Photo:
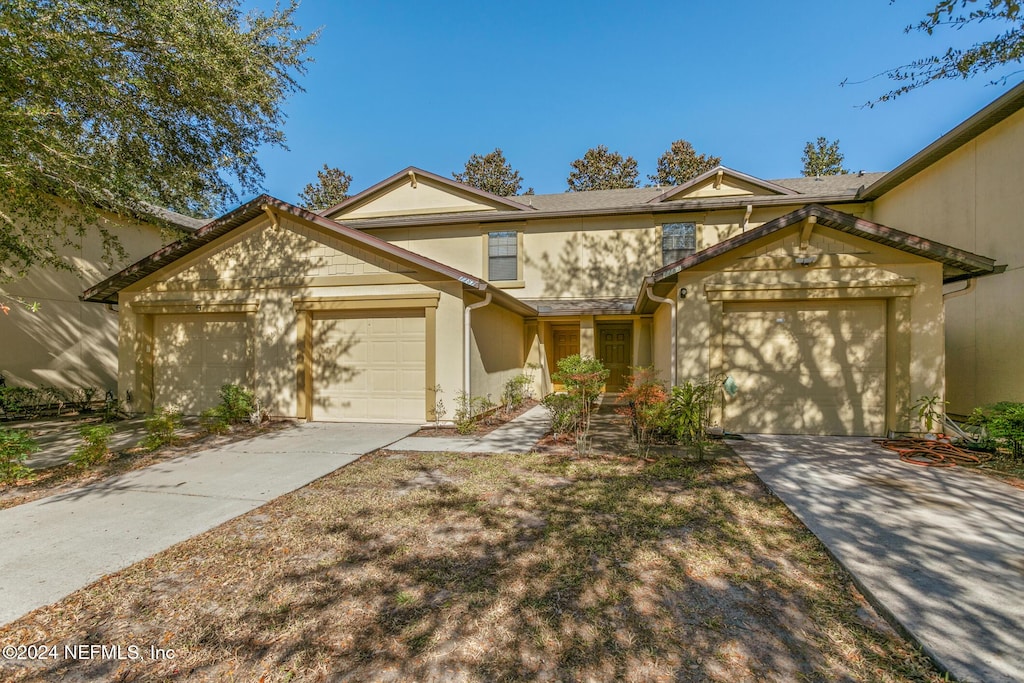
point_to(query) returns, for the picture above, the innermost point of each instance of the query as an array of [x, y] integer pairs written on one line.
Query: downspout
[[466, 340], [971, 284], [675, 333]]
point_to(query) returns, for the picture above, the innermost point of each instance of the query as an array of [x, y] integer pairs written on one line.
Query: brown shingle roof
[[957, 263], [106, 291]]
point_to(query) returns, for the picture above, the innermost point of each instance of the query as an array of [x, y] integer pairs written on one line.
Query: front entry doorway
[[615, 350], [565, 342]]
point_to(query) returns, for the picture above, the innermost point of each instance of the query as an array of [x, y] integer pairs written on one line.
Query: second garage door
[[806, 367], [370, 367]]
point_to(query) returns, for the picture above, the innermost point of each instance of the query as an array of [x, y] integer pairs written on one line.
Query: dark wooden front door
[[615, 350], [565, 342]]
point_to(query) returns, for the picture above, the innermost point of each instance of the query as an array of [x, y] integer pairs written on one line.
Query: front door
[[565, 342], [615, 350]]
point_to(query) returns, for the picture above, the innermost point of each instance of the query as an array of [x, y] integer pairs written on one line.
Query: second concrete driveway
[[56, 545], [940, 550]]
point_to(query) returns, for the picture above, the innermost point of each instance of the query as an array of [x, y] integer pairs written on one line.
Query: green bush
[[161, 427], [96, 444], [468, 410], [564, 416], [18, 401], [213, 421], [1004, 424], [583, 378], [15, 447], [236, 404], [515, 392], [689, 412]]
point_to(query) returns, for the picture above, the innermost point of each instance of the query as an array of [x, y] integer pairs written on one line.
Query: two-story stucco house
[[825, 299]]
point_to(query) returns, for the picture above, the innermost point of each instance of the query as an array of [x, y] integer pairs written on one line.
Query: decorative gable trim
[[414, 175], [720, 172], [957, 264]]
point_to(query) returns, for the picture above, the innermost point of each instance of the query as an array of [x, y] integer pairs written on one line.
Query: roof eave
[[361, 197], [675, 206], [971, 265]]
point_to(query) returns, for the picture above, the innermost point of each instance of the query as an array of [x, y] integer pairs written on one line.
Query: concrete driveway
[[940, 551], [56, 545]]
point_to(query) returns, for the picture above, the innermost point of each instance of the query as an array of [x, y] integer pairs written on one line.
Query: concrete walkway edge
[[56, 545], [939, 552]]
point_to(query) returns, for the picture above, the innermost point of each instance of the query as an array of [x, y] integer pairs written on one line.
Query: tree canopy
[[600, 169], [1006, 46], [823, 158], [330, 188], [123, 107], [491, 173], [681, 163]]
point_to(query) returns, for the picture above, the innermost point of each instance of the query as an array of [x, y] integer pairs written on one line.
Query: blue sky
[[430, 83]]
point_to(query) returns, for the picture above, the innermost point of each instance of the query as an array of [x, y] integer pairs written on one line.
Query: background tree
[[823, 158], [681, 163], [1005, 47], [491, 173], [122, 107], [600, 169], [330, 188]]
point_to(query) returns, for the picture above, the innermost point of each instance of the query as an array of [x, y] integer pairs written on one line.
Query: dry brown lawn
[[441, 567]]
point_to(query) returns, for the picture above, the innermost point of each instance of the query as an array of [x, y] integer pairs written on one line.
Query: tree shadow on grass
[[520, 568]]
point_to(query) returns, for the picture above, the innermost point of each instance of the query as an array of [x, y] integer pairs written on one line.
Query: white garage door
[[370, 368], [806, 367], [194, 355]]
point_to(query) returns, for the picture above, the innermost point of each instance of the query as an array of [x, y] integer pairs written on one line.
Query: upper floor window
[[678, 240], [503, 255]]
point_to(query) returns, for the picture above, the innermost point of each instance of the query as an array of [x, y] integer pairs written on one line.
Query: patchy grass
[[55, 480], [489, 568]]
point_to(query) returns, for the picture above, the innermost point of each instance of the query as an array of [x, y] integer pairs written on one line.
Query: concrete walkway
[[938, 551], [517, 436], [56, 545]]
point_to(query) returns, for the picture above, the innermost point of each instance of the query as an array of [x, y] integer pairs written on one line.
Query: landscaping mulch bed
[[487, 424], [56, 480], [441, 567]]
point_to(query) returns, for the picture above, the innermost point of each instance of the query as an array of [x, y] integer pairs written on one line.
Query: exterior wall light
[[805, 260]]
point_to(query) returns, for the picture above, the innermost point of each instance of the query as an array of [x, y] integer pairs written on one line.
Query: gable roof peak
[[720, 172], [413, 174]]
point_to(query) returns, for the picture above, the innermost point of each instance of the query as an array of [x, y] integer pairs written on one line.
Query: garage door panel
[[195, 355], [371, 367], [806, 367]]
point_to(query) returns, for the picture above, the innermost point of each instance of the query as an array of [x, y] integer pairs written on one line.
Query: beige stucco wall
[[267, 269], [765, 272], [406, 197], [972, 199], [497, 350], [67, 343], [583, 257]]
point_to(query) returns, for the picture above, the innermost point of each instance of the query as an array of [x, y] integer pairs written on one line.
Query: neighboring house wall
[[67, 343], [973, 199]]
